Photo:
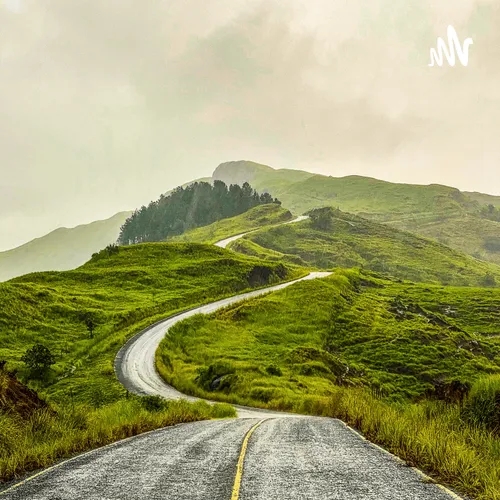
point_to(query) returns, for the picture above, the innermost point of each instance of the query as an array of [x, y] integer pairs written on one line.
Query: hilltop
[[442, 213], [62, 249]]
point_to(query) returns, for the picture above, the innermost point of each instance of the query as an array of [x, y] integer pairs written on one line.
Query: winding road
[[262, 455]]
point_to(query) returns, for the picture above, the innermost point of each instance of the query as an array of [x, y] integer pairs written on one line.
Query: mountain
[[443, 213], [61, 249]]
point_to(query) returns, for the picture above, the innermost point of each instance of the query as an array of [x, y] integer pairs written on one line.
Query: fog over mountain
[[106, 104]]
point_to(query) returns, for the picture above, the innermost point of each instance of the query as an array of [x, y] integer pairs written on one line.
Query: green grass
[[368, 350], [353, 329], [255, 218], [38, 437], [125, 290], [439, 212], [356, 242]]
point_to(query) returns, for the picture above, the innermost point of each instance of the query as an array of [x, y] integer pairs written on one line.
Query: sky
[[106, 104]]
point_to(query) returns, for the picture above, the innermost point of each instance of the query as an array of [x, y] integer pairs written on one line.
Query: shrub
[[216, 377], [482, 406], [153, 403], [38, 360], [274, 370]]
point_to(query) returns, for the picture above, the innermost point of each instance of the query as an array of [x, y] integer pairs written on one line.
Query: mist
[[106, 105]]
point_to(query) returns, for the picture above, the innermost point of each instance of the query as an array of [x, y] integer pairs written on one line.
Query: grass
[[124, 289], [125, 292], [381, 355], [38, 437], [356, 242], [354, 329], [255, 218]]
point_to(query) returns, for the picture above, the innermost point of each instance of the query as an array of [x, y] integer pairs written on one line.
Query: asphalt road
[[286, 459]]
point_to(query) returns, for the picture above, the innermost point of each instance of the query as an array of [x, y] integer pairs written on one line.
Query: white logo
[[454, 47]]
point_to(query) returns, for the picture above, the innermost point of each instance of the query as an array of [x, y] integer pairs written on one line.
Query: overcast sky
[[105, 104]]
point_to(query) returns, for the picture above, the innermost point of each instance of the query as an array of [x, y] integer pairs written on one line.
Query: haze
[[107, 104]]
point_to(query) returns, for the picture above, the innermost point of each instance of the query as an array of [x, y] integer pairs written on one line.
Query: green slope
[[435, 211], [255, 218], [61, 249], [354, 329], [351, 241], [124, 289]]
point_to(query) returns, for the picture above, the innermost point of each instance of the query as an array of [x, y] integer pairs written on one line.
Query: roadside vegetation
[[34, 434], [414, 367], [332, 238], [60, 332]]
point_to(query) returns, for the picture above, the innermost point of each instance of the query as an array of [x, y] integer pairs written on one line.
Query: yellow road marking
[[239, 467]]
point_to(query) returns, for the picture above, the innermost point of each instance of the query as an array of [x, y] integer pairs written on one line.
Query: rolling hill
[[61, 249], [346, 240], [442, 213]]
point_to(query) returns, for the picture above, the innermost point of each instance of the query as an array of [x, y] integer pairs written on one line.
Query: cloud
[[107, 104]]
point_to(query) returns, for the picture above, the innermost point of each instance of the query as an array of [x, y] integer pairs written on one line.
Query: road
[[286, 459], [135, 362], [225, 242], [260, 456]]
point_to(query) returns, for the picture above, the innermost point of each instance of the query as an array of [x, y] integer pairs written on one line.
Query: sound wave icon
[[454, 48]]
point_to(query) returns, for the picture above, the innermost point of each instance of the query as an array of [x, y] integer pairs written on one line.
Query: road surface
[[284, 459], [225, 242]]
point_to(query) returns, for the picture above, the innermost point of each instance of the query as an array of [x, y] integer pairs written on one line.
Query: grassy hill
[[351, 241], [390, 359], [61, 249], [354, 329], [258, 217], [435, 211], [123, 289]]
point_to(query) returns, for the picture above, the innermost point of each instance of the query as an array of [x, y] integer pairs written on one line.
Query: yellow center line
[[239, 467]]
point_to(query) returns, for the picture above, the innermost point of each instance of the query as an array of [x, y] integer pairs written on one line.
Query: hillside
[[439, 212], [255, 218], [121, 289], [332, 238], [61, 249], [354, 329]]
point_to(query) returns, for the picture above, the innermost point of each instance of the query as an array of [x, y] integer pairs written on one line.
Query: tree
[[38, 359], [322, 218], [198, 204], [489, 280], [90, 322]]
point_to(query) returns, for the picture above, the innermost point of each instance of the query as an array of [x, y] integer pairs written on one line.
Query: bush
[[274, 370], [482, 406], [217, 377], [38, 360], [153, 403]]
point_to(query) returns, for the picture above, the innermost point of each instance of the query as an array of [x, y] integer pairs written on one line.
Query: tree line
[[198, 204]]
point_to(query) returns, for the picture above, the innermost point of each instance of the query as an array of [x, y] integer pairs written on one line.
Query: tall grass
[[47, 436], [482, 407], [431, 436]]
